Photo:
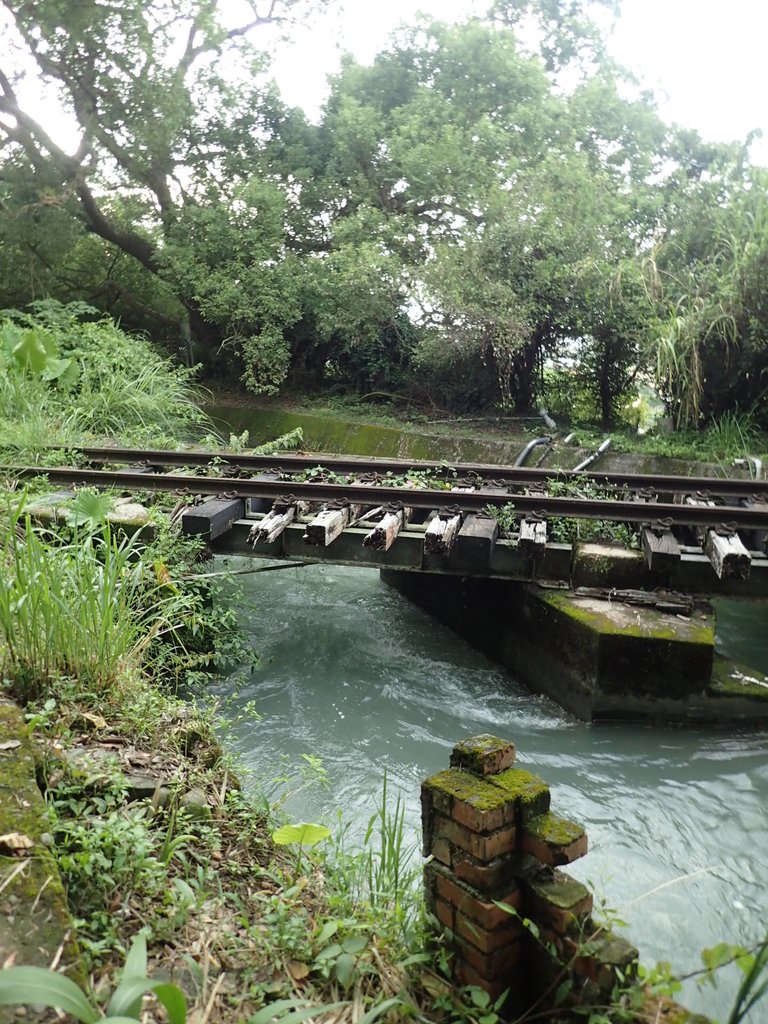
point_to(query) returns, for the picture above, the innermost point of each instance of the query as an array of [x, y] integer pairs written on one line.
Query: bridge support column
[[597, 658]]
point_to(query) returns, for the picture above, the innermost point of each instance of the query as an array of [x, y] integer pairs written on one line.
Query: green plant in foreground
[[36, 986], [302, 835], [86, 609]]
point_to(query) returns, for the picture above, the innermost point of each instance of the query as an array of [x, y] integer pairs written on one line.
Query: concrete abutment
[[597, 657]]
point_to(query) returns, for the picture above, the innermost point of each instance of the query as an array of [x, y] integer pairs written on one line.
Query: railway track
[[517, 480], [708, 508]]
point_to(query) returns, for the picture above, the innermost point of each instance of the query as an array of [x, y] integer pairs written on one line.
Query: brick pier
[[516, 923]]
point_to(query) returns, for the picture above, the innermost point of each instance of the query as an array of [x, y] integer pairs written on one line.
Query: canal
[[352, 673]]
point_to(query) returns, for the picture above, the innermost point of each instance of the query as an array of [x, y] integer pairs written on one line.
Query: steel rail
[[474, 501], [519, 476]]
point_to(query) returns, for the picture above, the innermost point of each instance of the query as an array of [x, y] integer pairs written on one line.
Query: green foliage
[[565, 530], [36, 986], [301, 835], [87, 608], [87, 379], [505, 516]]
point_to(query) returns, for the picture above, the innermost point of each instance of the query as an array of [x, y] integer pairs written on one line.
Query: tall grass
[[382, 877], [89, 380], [87, 609]]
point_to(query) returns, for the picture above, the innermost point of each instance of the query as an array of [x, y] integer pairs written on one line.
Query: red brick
[[484, 819], [435, 799], [553, 854], [441, 851], [483, 755], [602, 965], [467, 975], [485, 877], [483, 847], [562, 919], [445, 914], [485, 940], [484, 912], [557, 900], [489, 965]]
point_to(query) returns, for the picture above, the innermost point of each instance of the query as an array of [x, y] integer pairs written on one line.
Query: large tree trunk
[[605, 384]]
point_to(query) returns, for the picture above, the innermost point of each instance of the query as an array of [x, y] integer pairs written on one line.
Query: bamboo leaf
[[36, 986]]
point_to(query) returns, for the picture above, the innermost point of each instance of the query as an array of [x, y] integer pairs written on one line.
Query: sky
[[704, 59]]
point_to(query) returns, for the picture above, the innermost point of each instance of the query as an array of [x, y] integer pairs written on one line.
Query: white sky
[[705, 59]]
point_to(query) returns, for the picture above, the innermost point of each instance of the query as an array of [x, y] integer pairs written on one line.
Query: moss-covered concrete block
[[732, 679], [634, 650], [35, 926], [607, 565]]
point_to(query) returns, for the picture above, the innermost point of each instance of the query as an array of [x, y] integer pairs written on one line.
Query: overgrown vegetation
[[66, 375], [154, 836], [459, 228]]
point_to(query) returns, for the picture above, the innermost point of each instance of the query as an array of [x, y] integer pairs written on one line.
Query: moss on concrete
[[732, 679], [647, 625], [34, 918]]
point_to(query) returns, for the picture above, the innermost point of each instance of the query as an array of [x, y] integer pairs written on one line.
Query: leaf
[[56, 368], [297, 970], [126, 999], [344, 969], [480, 998], [184, 889], [173, 1000], [328, 930], [290, 1011], [90, 509], [31, 351], [16, 844], [376, 1011], [96, 720], [36, 986], [303, 834], [136, 960], [10, 745], [330, 952], [355, 944], [562, 991]]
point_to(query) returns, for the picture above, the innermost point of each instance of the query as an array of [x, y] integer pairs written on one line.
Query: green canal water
[[352, 673]]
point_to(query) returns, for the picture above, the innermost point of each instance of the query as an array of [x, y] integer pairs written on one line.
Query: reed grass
[[87, 609]]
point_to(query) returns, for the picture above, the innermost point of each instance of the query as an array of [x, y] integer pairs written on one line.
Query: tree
[[711, 342], [166, 165], [502, 207]]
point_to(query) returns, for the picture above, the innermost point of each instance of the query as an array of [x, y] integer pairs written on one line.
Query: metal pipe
[[593, 457], [754, 464], [523, 456], [550, 423]]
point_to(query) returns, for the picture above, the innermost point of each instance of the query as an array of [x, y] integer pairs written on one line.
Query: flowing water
[[354, 674]]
